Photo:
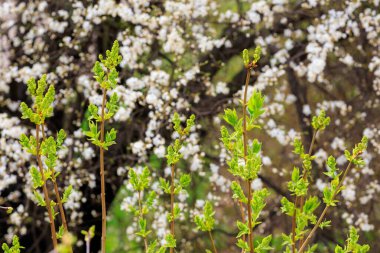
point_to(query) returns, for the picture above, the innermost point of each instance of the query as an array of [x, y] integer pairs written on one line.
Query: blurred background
[[185, 56]]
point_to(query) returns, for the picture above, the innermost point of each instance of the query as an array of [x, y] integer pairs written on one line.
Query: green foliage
[[264, 245], [40, 200], [60, 232], [303, 212], [67, 193], [352, 244], [298, 185], [248, 63], [42, 107], [88, 235], [14, 248], [321, 121], [255, 105], [140, 182], [238, 192], [29, 144], [354, 156], [206, 221], [106, 75], [234, 141], [36, 177], [257, 204]]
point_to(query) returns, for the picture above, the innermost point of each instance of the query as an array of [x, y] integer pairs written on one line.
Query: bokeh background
[[184, 56]]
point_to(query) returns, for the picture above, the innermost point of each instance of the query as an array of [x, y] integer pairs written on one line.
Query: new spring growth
[[41, 109], [173, 156], [234, 141], [106, 75], [206, 221], [88, 235], [352, 245], [14, 248], [245, 162], [248, 63], [140, 183]]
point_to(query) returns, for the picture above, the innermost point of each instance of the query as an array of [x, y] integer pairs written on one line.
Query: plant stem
[[102, 180], [88, 245], [325, 210], [242, 214], [60, 205], [172, 202], [245, 137], [141, 215], [302, 200], [44, 187], [212, 241], [251, 246], [294, 225]]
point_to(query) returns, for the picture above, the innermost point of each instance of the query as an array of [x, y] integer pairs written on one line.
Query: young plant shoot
[[41, 109], [106, 75], [245, 158]]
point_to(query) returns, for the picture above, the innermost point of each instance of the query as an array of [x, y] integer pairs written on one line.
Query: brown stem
[[245, 138], [212, 242], [44, 187], [172, 203], [251, 246], [302, 200], [102, 180], [141, 215], [60, 205], [294, 225], [302, 248], [242, 215]]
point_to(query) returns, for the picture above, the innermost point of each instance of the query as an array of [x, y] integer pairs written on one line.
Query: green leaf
[[255, 105], [165, 185], [320, 122], [32, 86], [67, 193], [170, 241], [264, 244], [243, 229], [60, 232], [238, 192], [110, 138], [256, 54], [246, 57], [36, 177], [243, 245], [39, 198], [185, 180], [230, 116]]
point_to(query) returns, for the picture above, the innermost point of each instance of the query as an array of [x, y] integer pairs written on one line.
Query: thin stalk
[[251, 246], [242, 214], [212, 242], [302, 200], [44, 187], [245, 137], [102, 180], [58, 196], [88, 245], [302, 248], [172, 202], [294, 225], [141, 215]]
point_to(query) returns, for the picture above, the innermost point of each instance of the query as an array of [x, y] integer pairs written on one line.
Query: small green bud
[[246, 58]]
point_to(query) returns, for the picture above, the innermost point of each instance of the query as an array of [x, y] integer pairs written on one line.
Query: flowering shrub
[[183, 56], [245, 162]]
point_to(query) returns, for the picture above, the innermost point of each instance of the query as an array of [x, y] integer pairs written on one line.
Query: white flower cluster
[[178, 56]]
